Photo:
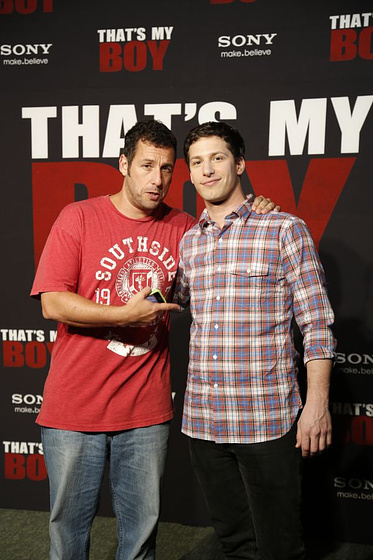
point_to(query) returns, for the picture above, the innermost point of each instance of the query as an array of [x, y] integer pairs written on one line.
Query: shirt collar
[[243, 212]]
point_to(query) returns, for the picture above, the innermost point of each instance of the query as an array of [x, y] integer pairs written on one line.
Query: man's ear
[[123, 165], [240, 166]]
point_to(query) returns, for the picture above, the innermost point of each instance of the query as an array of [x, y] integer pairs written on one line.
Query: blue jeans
[[76, 462], [254, 495]]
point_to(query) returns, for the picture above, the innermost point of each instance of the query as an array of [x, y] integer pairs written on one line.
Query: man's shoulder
[[279, 227], [84, 206], [276, 219]]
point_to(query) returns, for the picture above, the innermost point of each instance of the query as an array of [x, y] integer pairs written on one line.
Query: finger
[[143, 293], [322, 443], [314, 444], [168, 307], [257, 201], [277, 209], [306, 442], [298, 437], [328, 438], [263, 202], [265, 208], [325, 440]]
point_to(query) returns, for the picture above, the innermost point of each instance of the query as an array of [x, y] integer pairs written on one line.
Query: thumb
[[299, 436], [142, 294]]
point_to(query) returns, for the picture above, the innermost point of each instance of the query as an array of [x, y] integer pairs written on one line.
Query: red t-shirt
[[109, 379]]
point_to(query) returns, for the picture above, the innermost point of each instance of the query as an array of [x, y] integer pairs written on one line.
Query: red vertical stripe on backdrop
[[323, 184]]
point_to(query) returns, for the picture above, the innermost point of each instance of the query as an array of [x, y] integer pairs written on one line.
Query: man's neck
[[127, 209], [218, 212]]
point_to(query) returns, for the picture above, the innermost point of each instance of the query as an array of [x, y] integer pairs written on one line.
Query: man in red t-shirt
[[107, 396]]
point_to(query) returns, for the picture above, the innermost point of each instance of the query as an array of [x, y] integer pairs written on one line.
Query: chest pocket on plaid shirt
[[256, 280]]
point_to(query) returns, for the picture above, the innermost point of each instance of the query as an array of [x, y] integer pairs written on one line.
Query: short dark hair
[[232, 137], [152, 131]]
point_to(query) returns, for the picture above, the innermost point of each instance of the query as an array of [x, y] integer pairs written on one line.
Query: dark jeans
[[254, 495]]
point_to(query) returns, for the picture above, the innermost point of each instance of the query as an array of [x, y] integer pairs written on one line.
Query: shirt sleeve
[[306, 277], [58, 269]]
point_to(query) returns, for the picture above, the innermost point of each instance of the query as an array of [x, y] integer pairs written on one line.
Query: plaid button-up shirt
[[246, 283]]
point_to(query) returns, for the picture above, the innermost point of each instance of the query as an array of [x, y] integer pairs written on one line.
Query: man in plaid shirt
[[247, 276]]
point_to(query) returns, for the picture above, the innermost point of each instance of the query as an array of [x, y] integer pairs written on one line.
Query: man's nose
[[157, 177], [207, 168]]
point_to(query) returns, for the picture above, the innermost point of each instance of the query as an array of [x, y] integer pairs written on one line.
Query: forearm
[[318, 382], [314, 432], [77, 311]]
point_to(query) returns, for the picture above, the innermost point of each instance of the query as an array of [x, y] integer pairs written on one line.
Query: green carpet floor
[[24, 536]]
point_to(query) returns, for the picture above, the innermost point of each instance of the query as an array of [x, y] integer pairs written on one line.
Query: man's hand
[[263, 205], [314, 433], [140, 311]]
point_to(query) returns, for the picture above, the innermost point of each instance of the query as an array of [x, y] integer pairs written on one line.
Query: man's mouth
[[210, 182], [153, 195]]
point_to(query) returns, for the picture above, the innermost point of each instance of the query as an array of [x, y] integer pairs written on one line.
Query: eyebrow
[[219, 152], [149, 160]]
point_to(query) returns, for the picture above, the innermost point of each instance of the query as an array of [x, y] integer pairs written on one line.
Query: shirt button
[[215, 357], [219, 268], [220, 240], [216, 385], [216, 327], [218, 298]]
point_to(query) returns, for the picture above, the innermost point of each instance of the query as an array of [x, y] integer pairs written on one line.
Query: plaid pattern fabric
[[246, 283]]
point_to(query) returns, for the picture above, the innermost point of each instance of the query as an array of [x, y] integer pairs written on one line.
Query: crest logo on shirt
[[137, 274], [140, 279]]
